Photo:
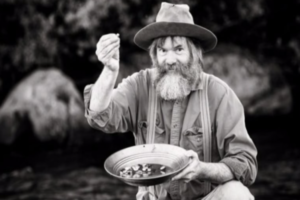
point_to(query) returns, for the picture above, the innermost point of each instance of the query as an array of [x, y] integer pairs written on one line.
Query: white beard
[[173, 86]]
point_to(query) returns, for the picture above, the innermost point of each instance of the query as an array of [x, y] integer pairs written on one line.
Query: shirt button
[[142, 124], [175, 125]]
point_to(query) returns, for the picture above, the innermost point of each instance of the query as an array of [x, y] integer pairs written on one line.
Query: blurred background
[[47, 57]]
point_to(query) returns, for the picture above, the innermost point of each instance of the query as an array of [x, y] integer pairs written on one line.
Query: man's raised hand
[[108, 51]]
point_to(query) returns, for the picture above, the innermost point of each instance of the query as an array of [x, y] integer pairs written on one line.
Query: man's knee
[[233, 190]]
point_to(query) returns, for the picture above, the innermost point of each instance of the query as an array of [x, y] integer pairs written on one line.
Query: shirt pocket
[[193, 140], [160, 134]]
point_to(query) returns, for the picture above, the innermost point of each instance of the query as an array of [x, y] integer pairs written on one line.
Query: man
[[175, 45]]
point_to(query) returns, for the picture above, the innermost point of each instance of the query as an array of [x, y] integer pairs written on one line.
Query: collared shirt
[[179, 123]]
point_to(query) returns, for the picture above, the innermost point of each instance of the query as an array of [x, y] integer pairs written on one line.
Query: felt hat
[[175, 20]]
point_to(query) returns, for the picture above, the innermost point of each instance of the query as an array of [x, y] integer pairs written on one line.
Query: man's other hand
[[108, 51], [193, 170]]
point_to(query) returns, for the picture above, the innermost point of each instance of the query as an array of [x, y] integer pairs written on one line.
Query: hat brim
[[146, 35]]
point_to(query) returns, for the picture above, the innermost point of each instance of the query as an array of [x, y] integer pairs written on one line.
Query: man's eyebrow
[[178, 46]]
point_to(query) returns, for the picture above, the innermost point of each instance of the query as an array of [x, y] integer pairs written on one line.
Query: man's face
[[176, 73], [173, 52]]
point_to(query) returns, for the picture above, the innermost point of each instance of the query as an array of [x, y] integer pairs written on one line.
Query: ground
[[79, 174]]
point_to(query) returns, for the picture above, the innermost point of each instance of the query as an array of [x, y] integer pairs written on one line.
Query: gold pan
[[171, 156]]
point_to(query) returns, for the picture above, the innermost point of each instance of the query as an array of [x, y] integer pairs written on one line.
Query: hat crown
[[174, 13], [175, 20]]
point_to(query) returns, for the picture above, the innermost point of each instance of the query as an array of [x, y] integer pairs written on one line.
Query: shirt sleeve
[[236, 148], [119, 116]]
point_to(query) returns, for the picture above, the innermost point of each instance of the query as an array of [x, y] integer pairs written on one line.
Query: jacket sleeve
[[235, 146], [119, 116]]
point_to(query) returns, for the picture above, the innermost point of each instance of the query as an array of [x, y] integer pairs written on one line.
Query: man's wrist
[[203, 170], [102, 90], [215, 172], [110, 72], [112, 69]]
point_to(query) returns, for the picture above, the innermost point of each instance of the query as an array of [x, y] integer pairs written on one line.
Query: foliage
[[42, 33]]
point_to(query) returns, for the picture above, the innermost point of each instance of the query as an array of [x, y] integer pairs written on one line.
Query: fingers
[[105, 46], [102, 45], [104, 55], [191, 154], [108, 36], [183, 175], [108, 47], [188, 173], [106, 60], [108, 39]]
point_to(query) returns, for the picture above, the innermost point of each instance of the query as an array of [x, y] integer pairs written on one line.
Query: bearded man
[[222, 153]]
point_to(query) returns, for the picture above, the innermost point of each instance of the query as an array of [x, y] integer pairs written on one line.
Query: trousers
[[231, 190]]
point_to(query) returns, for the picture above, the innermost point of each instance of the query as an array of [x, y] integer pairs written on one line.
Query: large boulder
[[257, 81], [47, 104]]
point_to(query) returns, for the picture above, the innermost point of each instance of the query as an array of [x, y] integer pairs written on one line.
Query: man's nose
[[170, 59]]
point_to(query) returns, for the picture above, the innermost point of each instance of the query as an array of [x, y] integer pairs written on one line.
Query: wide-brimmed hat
[[175, 20]]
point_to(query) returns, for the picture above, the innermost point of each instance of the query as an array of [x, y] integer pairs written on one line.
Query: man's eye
[[179, 49], [161, 50]]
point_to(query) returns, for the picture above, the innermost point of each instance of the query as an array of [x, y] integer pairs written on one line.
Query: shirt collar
[[198, 83]]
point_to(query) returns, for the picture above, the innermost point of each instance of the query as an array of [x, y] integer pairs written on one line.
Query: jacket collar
[[198, 84]]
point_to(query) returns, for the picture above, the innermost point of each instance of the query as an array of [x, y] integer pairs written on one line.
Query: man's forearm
[[215, 172], [102, 90]]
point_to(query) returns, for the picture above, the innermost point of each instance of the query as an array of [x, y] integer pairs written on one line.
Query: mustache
[[177, 67], [185, 70]]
